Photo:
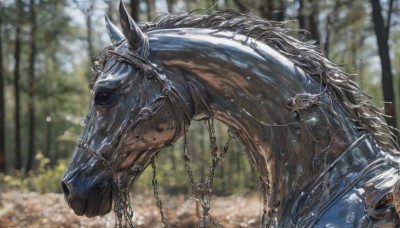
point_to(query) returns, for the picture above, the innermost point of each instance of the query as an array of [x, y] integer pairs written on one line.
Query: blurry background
[[46, 51]]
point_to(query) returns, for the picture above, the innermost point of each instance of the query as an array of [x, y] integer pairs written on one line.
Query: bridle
[[149, 70]]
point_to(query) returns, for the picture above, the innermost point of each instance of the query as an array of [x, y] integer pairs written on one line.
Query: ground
[[30, 209]]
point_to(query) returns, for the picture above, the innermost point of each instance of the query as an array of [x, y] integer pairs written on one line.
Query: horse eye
[[103, 96]]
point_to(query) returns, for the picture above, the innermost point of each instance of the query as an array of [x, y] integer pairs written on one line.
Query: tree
[[87, 11], [2, 102], [270, 11], [17, 57], [242, 7], [151, 9], [170, 5], [135, 10], [31, 89], [308, 18], [382, 35]]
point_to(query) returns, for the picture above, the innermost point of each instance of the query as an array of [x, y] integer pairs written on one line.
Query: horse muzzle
[[88, 196]]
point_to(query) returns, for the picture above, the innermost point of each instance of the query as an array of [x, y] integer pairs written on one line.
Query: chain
[[186, 156], [122, 208], [216, 157], [158, 200], [203, 190]]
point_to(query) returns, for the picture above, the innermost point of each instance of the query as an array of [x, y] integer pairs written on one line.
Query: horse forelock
[[355, 103]]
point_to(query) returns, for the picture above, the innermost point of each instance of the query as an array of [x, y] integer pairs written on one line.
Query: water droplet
[[248, 78]]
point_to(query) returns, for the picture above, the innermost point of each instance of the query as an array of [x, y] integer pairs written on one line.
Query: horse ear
[[130, 29], [113, 31]]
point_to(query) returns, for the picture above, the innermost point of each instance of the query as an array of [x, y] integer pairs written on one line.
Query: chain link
[[122, 208], [203, 190], [155, 188]]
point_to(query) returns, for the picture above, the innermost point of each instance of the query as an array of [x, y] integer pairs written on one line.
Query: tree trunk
[[135, 10], [48, 139], [242, 7], [313, 21], [382, 35], [328, 27], [17, 56], [267, 10], [151, 9], [300, 15], [280, 13], [2, 110], [31, 89], [270, 11], [89, 37], [88, 12], [170, 5], [308, 18]]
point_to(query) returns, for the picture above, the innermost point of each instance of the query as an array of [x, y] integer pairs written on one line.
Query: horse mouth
[[98, 202]]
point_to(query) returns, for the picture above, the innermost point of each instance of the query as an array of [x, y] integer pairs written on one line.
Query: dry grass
[[21, 209]]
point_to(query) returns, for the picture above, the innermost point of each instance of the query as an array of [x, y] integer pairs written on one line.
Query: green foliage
[[43, 179]]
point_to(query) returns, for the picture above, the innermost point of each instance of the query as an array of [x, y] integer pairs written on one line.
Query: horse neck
[[246, 85]]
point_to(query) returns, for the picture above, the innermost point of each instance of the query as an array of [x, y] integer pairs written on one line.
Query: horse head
[[130, 119]]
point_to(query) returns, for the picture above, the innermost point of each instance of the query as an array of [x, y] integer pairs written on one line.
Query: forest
[[47, 48]]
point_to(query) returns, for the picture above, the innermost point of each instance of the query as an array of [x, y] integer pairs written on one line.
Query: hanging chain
[[205, 199], [124, 211], [203, 190], [122, 208], [186, 156], [155, 188]]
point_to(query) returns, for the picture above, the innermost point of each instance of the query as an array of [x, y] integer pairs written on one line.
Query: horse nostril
[[65, 188]]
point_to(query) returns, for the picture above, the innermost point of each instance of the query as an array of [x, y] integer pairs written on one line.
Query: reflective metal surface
[[317, 167]]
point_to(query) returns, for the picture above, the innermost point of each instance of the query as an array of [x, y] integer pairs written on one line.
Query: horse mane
[[356, 104]]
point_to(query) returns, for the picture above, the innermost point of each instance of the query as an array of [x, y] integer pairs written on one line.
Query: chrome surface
[[318, 168]]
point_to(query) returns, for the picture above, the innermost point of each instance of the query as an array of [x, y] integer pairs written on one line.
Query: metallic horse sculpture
[[323, 151]]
